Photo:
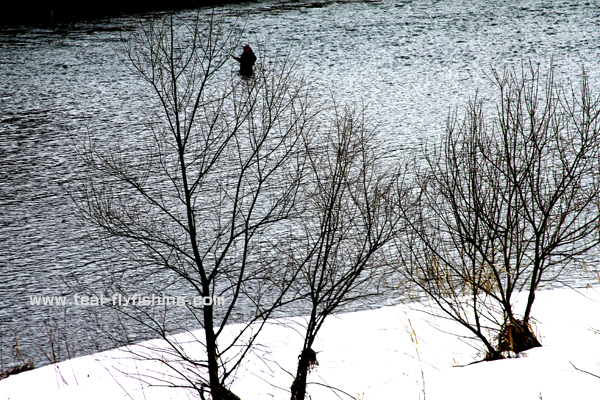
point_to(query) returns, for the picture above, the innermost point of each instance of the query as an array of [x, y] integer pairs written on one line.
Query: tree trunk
[[307, 361]]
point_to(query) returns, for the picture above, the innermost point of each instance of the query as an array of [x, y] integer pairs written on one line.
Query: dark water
[[409, 61]]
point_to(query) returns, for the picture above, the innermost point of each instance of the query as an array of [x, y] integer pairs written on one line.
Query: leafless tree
[[197, 202], [348, 208], [506, 203]]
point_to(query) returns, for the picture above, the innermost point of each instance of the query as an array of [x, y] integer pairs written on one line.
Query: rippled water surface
[[409, 61]]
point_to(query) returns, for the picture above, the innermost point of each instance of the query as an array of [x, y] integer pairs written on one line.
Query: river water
[[410, 62]]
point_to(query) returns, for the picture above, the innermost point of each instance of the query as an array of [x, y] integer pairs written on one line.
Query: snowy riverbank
[[394, 352]]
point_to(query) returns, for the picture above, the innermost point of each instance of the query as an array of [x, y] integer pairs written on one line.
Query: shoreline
[[392, 352], [35, 12]]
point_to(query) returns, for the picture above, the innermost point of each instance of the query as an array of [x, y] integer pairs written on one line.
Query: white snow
[[395, 352]]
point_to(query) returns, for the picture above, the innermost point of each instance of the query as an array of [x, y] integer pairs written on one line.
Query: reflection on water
[[411, 62]]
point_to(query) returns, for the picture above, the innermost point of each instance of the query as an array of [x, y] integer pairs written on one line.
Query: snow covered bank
[[395, 352]]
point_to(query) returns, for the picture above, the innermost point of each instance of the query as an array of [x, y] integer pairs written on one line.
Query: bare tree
[[506, 204], [198, 202], [348, 208]]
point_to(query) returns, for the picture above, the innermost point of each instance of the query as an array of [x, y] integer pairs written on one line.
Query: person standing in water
[[246, 60]]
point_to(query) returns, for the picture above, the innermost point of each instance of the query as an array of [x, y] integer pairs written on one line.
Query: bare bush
[[348, 208], [505, 204]]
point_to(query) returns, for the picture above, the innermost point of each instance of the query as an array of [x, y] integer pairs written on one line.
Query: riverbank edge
[[41, 12], [398, 351]]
